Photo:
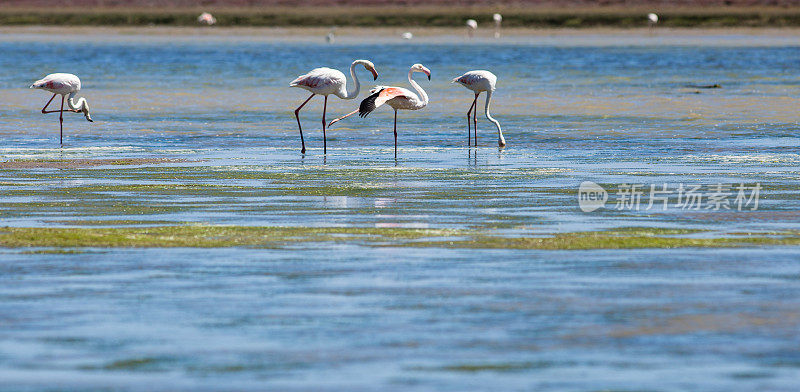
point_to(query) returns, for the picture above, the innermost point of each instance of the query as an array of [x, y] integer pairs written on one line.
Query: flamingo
[[652, 19], [498, 19], [63, 84], [472, 25], [480, 81], [397, 97], [206, 19], [331, 36], [326, 81]]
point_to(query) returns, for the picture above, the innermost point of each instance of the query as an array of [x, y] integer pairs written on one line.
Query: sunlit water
[[353, 317]]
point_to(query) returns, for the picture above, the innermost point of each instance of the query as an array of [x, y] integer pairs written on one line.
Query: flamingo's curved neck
[[75, 105], [357, 85], [81, 105], [500, 139], [419, 89]]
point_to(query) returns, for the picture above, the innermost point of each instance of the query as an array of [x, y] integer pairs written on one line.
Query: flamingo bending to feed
[[63, 84], [480, 81], [326, 81], [397, 97]]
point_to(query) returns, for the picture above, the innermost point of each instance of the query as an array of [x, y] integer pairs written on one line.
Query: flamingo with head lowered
[[63, 84], [326, 81], [478, 82], [397, 97]]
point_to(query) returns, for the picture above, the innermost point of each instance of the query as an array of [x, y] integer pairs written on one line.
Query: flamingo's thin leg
[[61, 120], [48, 104], [56, 111], [297, 116], [469, 130], [324, 136], [334, 121], [395, 134], [475, 120]]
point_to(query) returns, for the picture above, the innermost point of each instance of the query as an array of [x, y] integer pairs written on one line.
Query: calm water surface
[[354, 317]]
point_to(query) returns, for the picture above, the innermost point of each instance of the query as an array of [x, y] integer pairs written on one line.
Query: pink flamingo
[[326, 81], [63, 83], [397, 97], [480, 81], [206, 19]]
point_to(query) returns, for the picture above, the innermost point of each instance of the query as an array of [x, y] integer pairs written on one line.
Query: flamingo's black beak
[[429, 76], [374, 73]]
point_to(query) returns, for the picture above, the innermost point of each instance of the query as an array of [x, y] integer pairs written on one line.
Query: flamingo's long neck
[[76, 105], [500, 139], [422, 94], [357, 85], [81, 105]]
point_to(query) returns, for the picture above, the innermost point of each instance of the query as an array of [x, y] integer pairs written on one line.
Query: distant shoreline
[[605, 36], [417, 16]]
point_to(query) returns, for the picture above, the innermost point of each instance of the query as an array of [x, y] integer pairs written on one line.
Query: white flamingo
[[472, 25], [480, 81], [206, 19], [652, 20], [498, 19], [326, 81], [397, 97], [63, 84]]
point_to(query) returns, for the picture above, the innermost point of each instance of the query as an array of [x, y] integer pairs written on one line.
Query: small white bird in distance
[[498, 19], [206, 19], [407, 36], [472, 25]]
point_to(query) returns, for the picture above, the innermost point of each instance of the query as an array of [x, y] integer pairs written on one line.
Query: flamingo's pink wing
[[53, 84], [57, 84], [469, 78], [314, 79], [379, 98], [389, 93]]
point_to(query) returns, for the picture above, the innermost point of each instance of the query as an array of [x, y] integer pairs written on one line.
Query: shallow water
[[606, 109]]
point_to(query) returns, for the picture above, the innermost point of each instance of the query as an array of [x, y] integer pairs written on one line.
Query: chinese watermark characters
[[691, 197]]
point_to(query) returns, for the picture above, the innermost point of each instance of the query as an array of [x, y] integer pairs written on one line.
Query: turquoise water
[[207, 123]]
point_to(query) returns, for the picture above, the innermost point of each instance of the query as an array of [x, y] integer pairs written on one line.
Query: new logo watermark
[[644, 197], [591, 196]]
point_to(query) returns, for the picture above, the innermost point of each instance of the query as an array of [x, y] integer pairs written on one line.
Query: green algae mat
[[199, 236]]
